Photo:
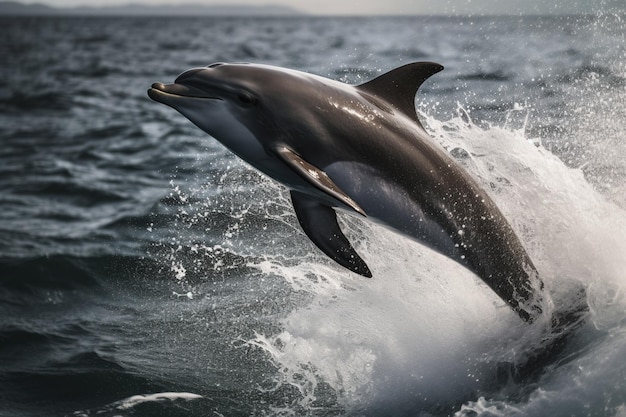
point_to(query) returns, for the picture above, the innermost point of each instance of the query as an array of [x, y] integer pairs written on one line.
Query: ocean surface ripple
[[145, 271]]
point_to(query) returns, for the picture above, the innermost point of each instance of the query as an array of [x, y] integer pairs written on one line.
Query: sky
[[397, 7]]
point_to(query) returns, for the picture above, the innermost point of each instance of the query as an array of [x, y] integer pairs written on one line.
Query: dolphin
[[362, 149]]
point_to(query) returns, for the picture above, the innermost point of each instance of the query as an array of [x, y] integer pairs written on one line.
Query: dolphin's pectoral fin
[[317, 178], [398, 86], [319, 222]]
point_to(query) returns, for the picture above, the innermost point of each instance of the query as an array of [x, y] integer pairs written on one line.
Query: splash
[[425, 333]]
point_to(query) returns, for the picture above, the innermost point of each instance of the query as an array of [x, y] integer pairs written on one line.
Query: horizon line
[[34, 9]]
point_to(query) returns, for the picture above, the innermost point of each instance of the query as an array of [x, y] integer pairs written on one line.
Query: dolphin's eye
[[246, 99]]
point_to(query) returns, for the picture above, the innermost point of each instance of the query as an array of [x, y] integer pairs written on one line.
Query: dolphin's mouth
[[162, 92]]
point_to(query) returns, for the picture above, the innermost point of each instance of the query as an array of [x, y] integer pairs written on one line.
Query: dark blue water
[[145, 271]]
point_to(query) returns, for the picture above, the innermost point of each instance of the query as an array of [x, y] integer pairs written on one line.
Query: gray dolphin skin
[[360, 149]]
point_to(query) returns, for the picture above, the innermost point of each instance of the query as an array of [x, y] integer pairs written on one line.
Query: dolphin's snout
[[165, 93], [161, 92], [155, 93]]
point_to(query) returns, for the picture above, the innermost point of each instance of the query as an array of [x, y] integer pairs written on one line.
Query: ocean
[[146, 271]]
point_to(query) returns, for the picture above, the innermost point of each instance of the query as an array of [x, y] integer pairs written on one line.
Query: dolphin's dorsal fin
[[399, 86], [317, 177], [319, 222]]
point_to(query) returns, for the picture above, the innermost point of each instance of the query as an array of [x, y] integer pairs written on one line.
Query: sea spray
[[424, 333]]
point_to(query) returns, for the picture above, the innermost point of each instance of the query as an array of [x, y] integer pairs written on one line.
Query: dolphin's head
[[235, 103], [222, 103]]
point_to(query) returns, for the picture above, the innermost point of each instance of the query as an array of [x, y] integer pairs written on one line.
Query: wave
[[48, 273], [29, 280], [81, 195], [167, 403], [64, 388], [43, 101]]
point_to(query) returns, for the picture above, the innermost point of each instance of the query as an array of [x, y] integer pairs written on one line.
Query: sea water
[[147, 271]]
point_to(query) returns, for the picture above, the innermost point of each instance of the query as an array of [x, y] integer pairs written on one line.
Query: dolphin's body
[[362, 149]]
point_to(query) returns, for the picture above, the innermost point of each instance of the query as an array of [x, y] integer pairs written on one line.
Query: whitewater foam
[[425, 333]]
